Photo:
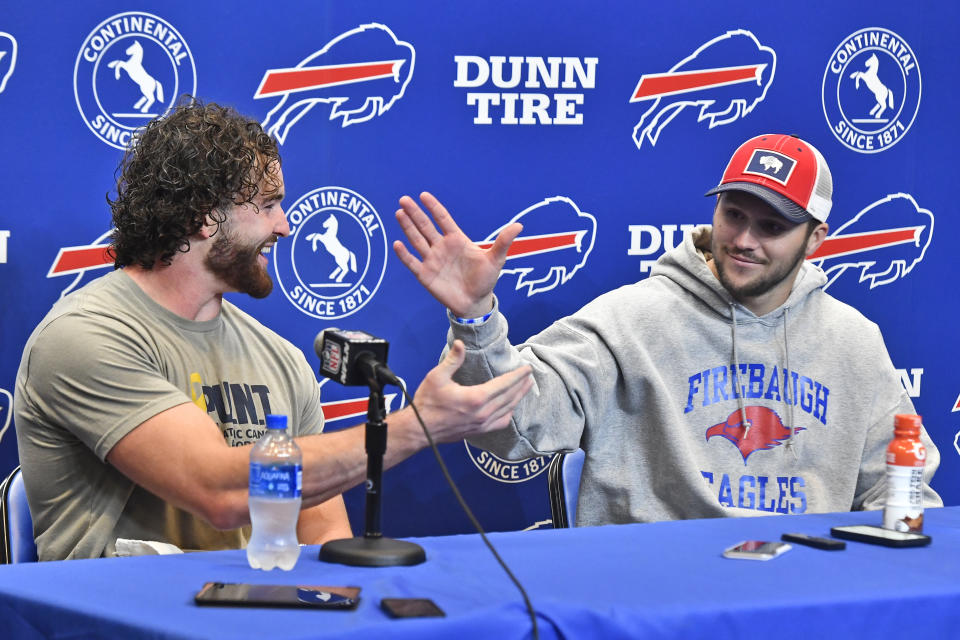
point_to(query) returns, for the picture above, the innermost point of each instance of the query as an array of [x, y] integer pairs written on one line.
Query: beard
[[764, 283], [238, 265]]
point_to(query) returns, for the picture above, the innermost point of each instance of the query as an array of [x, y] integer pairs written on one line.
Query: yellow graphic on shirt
[[196, 391]]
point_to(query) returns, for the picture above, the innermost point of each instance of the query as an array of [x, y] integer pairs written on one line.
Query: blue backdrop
[[599, 125]]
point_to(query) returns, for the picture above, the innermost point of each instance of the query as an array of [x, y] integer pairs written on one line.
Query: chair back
[[563, 480], [16, 522]]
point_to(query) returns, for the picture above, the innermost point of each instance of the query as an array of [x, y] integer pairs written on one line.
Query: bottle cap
[[907, 420], [276, 421]]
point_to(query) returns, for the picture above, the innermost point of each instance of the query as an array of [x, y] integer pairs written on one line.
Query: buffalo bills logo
[[360, 73], [726, 78], [342, 408], [8, 58], [764, 430], [956, 441], [885, 241], [6, 411], [956, 438], [557, 239], [78, 260]]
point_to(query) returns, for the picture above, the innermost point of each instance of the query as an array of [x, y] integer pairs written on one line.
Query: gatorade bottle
[[906, 457], [275, 482]]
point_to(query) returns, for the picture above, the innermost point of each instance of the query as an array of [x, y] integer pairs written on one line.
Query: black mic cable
[[473, 518], [357, 358]]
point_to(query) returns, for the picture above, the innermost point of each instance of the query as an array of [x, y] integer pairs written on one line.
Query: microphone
[[354, 358]]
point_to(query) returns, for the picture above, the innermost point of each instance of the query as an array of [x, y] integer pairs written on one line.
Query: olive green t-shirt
[[105, 359]]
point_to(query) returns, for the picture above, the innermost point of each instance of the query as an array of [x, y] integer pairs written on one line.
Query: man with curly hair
[[138, 396]]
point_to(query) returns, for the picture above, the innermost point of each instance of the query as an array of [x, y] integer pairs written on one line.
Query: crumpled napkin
[[127, 548]]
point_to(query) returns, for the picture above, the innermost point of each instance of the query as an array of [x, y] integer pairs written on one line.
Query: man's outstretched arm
[[181, 456]]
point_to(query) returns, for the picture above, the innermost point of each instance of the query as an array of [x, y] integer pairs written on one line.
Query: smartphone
[[878, 535], [827, 544], [756, 550], [411, 608], [277, 595]]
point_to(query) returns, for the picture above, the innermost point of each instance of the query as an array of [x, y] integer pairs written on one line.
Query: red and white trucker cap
[[785, 172]]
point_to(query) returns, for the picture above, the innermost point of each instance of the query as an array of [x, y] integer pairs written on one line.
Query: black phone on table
[[277, 595], [827, 544], [878, 535], [411, 608]]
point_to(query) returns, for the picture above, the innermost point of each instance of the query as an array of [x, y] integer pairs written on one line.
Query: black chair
[[16, 522], [563, 480]]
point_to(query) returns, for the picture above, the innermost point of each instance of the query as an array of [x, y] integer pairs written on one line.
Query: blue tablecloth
[[662, 580]]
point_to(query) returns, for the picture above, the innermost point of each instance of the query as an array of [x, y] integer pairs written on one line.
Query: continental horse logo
[[130, 69], [345, 259], [150, 87], [881, 92], [335, 258], [871, 90]]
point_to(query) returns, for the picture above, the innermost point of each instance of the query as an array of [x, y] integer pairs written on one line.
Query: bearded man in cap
[[728, 383]]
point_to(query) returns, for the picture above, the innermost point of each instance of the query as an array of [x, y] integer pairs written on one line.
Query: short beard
[[238, 266], [762, 285]]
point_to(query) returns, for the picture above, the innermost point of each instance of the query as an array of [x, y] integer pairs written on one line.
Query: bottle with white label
[[906, 457], [275, 481]]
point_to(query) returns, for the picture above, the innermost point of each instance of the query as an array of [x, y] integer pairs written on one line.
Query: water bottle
[[906, 457], [275, 481]]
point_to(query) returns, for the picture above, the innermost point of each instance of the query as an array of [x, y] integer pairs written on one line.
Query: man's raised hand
[[451, 267]]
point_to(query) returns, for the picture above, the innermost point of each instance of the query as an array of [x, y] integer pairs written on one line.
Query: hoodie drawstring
[[792, 401], [736, 374], [736, 379]]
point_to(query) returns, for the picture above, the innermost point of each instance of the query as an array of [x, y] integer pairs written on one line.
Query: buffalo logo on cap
[[771, 164]]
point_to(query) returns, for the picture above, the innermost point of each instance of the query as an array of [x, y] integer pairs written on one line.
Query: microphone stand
[[373, 550]]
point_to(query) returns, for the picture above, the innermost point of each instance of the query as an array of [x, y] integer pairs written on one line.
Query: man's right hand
[[453, 269], [454, 412]]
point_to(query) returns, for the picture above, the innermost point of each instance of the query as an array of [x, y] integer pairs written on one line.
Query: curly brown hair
[[182, 171]]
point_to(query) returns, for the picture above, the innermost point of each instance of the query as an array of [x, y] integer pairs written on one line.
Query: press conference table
[[661, 580]]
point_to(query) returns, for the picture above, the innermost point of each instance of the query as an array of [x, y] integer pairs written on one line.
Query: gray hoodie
[[655, 381]]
